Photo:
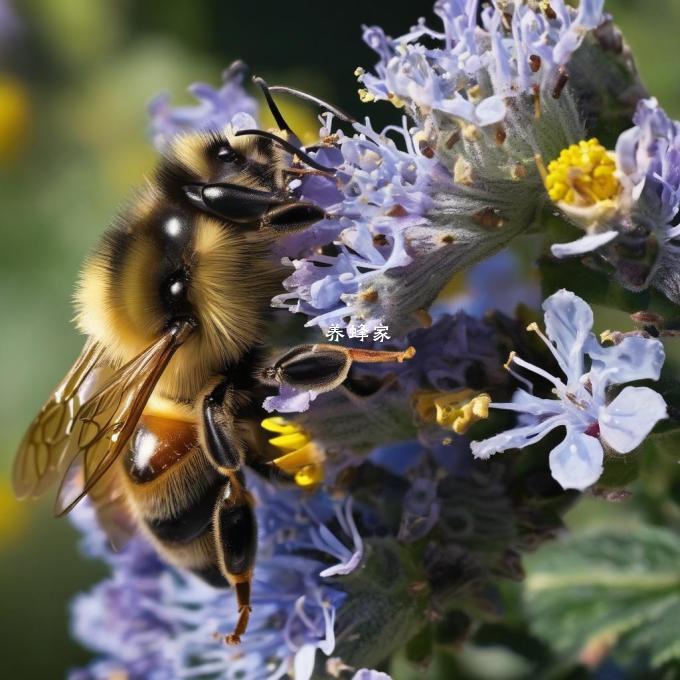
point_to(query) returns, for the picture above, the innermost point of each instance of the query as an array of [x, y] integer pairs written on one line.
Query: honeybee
[[160, 412]]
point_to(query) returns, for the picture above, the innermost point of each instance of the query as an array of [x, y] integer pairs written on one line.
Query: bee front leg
[[323, 367], [235, 531], [292, 216], [232, 202]]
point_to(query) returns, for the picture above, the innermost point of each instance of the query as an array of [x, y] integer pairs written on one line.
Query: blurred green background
[[75, 78]]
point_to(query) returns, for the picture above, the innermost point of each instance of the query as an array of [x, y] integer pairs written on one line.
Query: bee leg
[[232, 202], [293, 216], [235, 530], [270, 471], [323, 367], [244, 609], [218, 437]]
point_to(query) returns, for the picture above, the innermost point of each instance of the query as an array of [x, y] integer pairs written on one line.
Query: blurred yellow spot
[[14, 117], [457, 410], [12, 514], [301, 456], [582, 175], [456, 286]]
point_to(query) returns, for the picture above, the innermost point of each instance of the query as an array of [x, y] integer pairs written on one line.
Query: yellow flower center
[[582, 175], [300, 455]]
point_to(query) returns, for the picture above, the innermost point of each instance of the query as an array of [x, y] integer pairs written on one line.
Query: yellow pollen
[[300, 457], [457, 410], [365, 96], [582, 175], [608, 336]]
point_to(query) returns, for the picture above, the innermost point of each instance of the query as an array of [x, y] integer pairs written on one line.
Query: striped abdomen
[[174, 491]]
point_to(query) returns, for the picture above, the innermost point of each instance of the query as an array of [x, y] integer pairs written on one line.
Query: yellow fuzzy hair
[[232, 281]]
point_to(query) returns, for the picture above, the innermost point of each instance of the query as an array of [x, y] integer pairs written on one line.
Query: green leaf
[[620, 470], [610, 592]]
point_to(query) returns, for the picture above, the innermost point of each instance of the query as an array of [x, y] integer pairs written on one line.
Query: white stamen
[[539, 371], [536, 329]]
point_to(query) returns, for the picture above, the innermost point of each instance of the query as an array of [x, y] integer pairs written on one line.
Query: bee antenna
[[237, 69], [336, 111], [291, 148], [278, 117]]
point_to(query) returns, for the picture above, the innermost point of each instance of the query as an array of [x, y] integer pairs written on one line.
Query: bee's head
[[196, 160]]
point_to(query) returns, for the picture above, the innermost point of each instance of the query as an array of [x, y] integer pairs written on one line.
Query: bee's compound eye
[[174, 294], [226, 154], [176, 285]]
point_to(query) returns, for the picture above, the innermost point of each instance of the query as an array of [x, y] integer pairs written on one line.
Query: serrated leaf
[[611, 592]]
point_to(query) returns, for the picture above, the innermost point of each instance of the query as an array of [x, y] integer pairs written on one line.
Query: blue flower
[[473, 70], [593, 423], [153, 621], [228, 105], [10, 24], [325, 541], [382, 192], [463, 181], [649, 155]]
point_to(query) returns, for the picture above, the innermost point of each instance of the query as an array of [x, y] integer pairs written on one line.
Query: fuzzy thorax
[[230, 282]]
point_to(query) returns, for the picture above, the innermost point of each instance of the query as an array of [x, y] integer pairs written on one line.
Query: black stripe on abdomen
[[212, 575], [193, 521]]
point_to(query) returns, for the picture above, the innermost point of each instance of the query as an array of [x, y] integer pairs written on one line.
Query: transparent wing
[[104, 423], [111, 508], [41, 458]]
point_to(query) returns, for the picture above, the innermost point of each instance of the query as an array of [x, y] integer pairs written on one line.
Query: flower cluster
[[398, 518], [487, 98], [633, 226], [475, 69], [320, 574], [149, 620], [228, 105]]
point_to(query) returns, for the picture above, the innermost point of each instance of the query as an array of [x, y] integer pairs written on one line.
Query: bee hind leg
[[235, 533], [244, 608]]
